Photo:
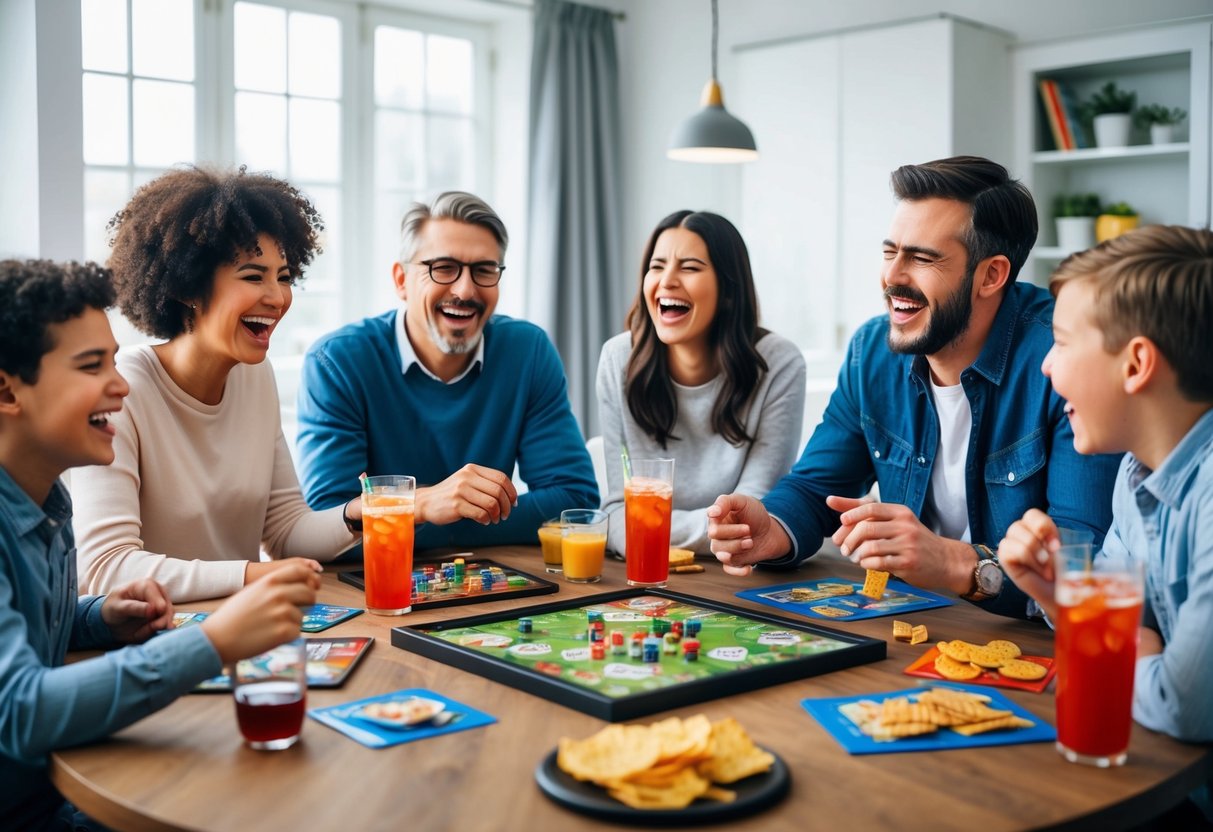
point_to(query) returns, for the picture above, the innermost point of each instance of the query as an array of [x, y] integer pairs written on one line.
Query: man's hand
[[1026, 555], [259, 569], [742, 533], [473, 492], [264, 614], [889, 537], [136, 611]]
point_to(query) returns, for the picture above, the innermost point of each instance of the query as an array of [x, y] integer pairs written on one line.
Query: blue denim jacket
[[881, 426]]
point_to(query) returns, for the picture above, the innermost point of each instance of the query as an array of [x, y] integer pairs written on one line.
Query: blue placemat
[[348, 720], [826, 711], [899, 597]]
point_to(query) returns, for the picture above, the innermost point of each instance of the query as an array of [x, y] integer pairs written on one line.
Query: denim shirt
[[45, 705], [1165, 518], [881, 426]]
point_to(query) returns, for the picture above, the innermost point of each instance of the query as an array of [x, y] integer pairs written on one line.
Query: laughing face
[[249, 298], [680, 289], [927, 285], [1085, 374], [67, 409], [445, 321]]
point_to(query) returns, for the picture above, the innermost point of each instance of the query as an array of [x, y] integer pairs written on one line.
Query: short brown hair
[[1156, 281]]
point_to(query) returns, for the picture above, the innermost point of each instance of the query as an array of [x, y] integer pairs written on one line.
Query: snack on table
[[666, 765], [824, 590], [1023, 670], [874, 582], [919, 634], [949, 668], [681, 557], [925, 712], [902, 630], [962, 661]]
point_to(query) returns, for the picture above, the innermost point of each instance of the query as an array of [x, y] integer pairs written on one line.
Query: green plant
[[1108, 99], [1119, 209], [1158, 114], [1076, 205]]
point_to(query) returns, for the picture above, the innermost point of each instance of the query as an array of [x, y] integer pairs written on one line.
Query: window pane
[[315, 55], [315, 140], [449, 74], [260, 48], [103, 35], [261, 132], [163, 38], [105, 192], [399, 68], [105, 112], [322, 274], [311, 315], [164, 123], [399, 144], [389, 210], [449, 161]]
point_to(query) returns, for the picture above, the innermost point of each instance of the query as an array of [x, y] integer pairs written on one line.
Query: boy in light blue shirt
[[1133, 357], [58, 385]]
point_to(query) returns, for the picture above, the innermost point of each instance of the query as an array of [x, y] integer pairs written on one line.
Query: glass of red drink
[[648, 497], [271, 695], [1099, 604], [387, 543]]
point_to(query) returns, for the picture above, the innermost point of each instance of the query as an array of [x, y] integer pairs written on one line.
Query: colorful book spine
[[1070, 106], [1059, 125]]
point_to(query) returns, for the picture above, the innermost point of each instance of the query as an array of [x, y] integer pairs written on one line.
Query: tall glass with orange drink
[[1098, 614], [387, 544], [648, 497]]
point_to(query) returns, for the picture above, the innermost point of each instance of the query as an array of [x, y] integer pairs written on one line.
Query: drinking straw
[[366, 483], [627, 462]]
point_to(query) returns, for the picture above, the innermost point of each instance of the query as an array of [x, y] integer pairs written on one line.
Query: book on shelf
[[1055, 114], [1069, 104]]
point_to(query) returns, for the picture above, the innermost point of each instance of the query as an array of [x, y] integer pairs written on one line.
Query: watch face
[[990, 577]]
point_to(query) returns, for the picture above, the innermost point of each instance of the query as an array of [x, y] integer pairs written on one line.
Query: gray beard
[[460, 347]]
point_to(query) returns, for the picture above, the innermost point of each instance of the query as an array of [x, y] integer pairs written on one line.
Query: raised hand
[[1026, 555], [742, 533]]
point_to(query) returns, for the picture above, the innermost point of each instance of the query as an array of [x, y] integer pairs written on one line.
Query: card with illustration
[[924, 666], [320, 617], [400, 717], [329, 663], [837, 599], [958, 716], [187, 619]]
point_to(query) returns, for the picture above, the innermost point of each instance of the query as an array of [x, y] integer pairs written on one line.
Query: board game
[[838, 599], [440, 585], [634, 652]]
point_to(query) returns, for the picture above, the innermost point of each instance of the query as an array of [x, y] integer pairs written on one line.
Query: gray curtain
[[573, 287]]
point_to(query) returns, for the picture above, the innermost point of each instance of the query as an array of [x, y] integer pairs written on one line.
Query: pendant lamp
[[712, 135]]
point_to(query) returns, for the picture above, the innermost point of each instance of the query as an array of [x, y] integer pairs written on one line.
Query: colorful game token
[[598, 651], [525, 625], [693, 626], [636, 646], [618, 648], [690, 650], [652, 649], [660, 626], [669, 644]]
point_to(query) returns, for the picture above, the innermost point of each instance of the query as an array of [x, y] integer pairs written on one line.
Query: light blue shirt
[[1165, 517], [45, 705], [408, 356]]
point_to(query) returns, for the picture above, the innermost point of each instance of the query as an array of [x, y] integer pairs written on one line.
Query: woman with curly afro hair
[[203, 486]]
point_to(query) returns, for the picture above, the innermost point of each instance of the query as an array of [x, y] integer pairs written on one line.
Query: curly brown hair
[[178, 229]]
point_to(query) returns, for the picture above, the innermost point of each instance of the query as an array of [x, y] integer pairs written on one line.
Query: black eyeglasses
[[446, 270]]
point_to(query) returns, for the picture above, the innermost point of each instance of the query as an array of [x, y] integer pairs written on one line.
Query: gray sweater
[[706, 465]]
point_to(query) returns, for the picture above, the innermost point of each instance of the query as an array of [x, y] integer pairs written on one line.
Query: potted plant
[[1109, 109], [1161, 121], [1075, 216], [1115, 220]]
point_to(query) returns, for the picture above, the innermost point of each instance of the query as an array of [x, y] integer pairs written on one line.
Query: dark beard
[[948, 322]]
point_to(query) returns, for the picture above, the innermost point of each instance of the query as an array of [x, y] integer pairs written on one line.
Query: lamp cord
[[714, 27]]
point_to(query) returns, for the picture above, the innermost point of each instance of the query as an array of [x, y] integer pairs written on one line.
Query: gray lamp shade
[[712, 135]]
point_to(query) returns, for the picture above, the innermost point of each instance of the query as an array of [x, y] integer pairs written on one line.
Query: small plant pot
[[1075, 233], [1108, 226], [1162, 133], [1112, 130]]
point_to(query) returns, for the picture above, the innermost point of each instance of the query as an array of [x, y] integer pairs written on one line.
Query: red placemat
[[924, 666]]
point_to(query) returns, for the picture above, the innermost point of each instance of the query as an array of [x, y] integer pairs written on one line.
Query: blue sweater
[[358, 413]]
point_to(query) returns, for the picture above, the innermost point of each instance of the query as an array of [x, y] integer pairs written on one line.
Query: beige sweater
[[195, 491]]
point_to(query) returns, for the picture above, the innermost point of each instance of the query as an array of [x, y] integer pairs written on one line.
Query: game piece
[[598, 651], [651, 649], [618, 648], [874, 583], [660, 626], [693, 626], [676, 627], [636, 647], [669, 644], [525, 625], [690, 650]]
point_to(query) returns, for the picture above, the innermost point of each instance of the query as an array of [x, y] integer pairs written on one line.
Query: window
[[364, 110]]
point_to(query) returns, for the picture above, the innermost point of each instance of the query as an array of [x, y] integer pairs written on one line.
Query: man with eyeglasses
[[444, 391]]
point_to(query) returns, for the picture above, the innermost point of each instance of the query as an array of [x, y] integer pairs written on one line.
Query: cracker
[[902, 630], [874, 583], [919, 634], [901, 730], [997, 724], [1008, 648], [1023, 670], [949, 668], [956, 650], [681, 557], [986, 658], [831, 612]]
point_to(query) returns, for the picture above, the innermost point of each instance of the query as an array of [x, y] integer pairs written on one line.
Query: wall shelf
[[1110, 154]]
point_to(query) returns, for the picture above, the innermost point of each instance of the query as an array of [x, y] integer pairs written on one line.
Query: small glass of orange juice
[[583, 544], [550, 534]]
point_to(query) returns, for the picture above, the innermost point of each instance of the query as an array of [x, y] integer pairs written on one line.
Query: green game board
[[739, 650]]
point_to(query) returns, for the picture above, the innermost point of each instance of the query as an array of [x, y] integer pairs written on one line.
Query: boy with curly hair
[[1132, 357], [58, 389]]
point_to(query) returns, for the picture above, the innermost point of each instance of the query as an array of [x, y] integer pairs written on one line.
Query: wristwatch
[[987, 575]]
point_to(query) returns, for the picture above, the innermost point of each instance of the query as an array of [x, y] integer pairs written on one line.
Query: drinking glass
[[550, 537], [583, 545], [648, 497], [387, 544], [270, 691]]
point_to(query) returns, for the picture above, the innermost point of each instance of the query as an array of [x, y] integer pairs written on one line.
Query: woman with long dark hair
[[695, 378]]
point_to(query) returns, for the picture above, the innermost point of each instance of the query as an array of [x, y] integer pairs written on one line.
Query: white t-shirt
[[949, 508]]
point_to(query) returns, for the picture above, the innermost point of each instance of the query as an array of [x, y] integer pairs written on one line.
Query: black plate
[[754, 794]]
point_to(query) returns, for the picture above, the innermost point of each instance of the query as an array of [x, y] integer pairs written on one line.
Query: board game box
[[626, 654], [434, 584]]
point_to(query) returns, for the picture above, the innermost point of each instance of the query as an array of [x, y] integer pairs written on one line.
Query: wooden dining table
[[186, 767]]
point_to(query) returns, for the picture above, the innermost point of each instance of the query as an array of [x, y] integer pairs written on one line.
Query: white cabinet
[[834, 115], [1170, 183]]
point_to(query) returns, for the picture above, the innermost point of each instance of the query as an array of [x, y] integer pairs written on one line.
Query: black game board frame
[[545, 587], [418, 639]]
